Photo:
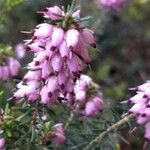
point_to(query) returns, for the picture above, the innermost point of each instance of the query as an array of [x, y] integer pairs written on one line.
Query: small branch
[[71, 117], [114, 127], [69, 120]]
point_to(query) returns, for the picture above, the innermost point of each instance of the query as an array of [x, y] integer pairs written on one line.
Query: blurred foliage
[[7, 5], [122, 60]]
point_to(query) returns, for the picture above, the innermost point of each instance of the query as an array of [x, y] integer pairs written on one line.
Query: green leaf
[[72, 6], [7, 5], [23, 115], [33, 134], [8, 132]]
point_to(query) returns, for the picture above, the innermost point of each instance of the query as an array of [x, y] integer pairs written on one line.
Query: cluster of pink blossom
[[2, 143], [9, 67], [141, 106], [60, 53], [88, 96], [112, 4], [89, 100]]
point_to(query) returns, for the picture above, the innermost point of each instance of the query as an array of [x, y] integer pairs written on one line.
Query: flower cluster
[[141, 106], [112, 4], [88, 97], [9, 67], [60, 53]]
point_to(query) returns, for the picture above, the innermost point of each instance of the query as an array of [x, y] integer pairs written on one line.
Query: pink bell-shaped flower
[[57, 36], [53, 13], [72, 37], [43, 30]]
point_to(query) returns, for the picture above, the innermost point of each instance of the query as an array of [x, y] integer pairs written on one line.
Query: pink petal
[[64, 50], [57, 36], [56, 62], [72, 37]]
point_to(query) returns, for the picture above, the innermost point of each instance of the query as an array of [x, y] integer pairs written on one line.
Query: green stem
[[32, 134], [114, 127], [71, 117]]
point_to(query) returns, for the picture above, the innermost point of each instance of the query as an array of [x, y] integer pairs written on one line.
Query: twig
[[71, 116], [114, 127]]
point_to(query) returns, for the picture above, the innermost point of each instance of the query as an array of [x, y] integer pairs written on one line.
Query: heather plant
[[50, 95]]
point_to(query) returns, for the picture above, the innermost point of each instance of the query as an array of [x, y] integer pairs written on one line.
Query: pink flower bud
[[35, 47], [76, 14], [142, 120], [144, 86], [94, 106], [79, 87], [20, 93], [98, 102], [86, 79], [87, 36], [80, 95], [46, 70], [52, 84], [33, 65], [137, 108], [147, 92], [82, 84], [56, 62], [90, 108], [69, 86], [33, 97], [32, 86], [64, 50], [53, 13], [81, 51], [44, 95], [40, 57], [72, 37], [138, 98], [43, 30], [33, 75], [147, 112], [57, 36], [85, 55], [73, 64], [62, 77]]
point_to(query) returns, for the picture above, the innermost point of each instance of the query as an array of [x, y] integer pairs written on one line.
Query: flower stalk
[[71, 117], [114, 127]]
